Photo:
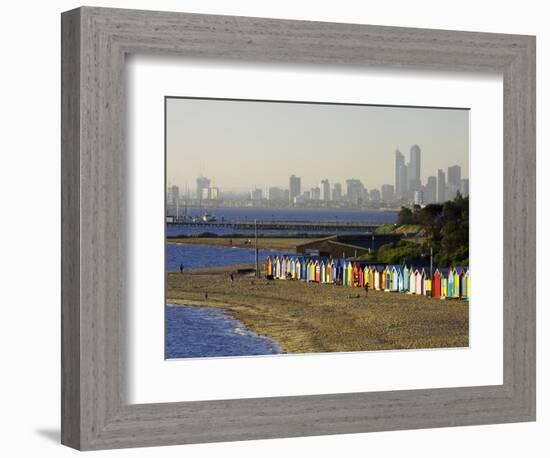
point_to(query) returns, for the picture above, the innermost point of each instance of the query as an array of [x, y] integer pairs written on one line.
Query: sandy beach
[[311, 317]]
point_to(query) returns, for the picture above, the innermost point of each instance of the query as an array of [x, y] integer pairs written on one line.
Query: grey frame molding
[[95, 413]]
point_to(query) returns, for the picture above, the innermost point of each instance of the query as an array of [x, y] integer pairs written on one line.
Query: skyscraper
[[294, 187], [441, 186], [465, 187], [210, 193], [214, 193], [316, 193], [413, 170], [419, 197], [256, 194], [355, 190], [173, 195], [453, 181], [403, 182], [325, 190], [202, 183], [430, 190], [399, 183], [337, 192], [453, 175], [375, 195], [387, 192], [274, 193]]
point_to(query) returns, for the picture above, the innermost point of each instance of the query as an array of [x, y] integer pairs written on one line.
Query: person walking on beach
[[205, 296], [181, 268], [366, 288], [231, 277]]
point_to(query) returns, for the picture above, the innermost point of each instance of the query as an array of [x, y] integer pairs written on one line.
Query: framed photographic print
[[280, 228], [280, 204]]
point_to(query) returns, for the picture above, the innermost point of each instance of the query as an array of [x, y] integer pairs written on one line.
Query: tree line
[[446, 231]]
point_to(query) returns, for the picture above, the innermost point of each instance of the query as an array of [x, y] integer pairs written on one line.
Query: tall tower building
[[355, 190], [419, 197], [465, 187], [453, 175], [430, 190], [375, 195], [202, 183], [173, 195], [453, 181], [294, 187], [399, 184], [413, 170], [316, 193], [325, 190], [387, 192], [256, 194], [441, 186], [337, 192], [274, 193], [403, 182]]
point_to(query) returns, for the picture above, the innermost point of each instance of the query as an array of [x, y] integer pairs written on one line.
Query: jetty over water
[[331, 226]]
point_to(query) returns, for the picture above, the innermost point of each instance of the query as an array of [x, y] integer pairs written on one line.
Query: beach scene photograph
[[303, 228]]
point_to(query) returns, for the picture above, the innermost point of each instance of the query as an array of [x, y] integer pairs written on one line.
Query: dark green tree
[[446, 228]]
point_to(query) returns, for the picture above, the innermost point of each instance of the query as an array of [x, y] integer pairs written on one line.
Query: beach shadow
[[53, 435]]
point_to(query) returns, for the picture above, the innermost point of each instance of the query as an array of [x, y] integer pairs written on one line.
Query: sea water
[[204, 332], [204, 256], [278, 214]]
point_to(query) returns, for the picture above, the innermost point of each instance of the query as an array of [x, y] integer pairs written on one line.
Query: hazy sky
[[245, 144]]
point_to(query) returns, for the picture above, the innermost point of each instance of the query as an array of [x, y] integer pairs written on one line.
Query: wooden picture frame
[[95, 412]]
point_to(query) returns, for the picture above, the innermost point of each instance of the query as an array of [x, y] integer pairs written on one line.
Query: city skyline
[[243, 145], [437, 189]]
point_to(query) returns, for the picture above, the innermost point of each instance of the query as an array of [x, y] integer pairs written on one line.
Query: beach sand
[[311, 317]]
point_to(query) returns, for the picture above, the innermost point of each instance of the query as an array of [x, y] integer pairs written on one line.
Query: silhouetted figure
[[231, 277], [181, 268], [366, 289], [205, 296]]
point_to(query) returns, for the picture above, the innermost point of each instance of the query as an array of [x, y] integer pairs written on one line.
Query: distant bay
[[276, 214]]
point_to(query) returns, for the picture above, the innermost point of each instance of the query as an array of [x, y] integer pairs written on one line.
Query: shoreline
[[264, 243], [240, 329], [320, 318]]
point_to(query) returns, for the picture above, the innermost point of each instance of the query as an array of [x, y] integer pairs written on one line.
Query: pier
[[330, 226]]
